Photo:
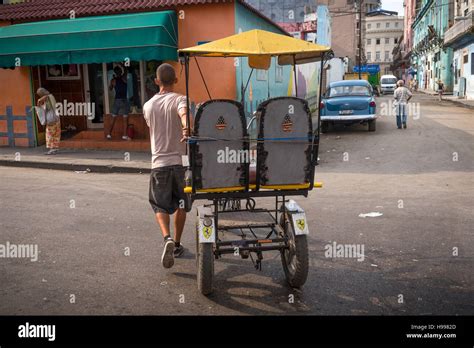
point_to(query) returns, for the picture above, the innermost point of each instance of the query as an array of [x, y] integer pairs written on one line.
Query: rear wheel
[[324, 126], [294, 259], [205, 265], [372, 125]]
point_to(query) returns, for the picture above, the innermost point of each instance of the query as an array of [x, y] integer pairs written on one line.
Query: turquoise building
[[263, 84], [431, 58], [279, 80]]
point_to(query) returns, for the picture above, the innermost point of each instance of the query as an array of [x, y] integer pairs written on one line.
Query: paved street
[[85, 223]]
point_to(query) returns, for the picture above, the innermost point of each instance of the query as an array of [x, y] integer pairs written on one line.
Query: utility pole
[[360, 39]]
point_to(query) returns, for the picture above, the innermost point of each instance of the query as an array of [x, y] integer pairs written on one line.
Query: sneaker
[[405, 125], [178, 251], [167, 258], [125, 137], [109, 137], [399, 127], [51, 152]]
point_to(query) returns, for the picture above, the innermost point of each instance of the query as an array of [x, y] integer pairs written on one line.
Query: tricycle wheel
[[205, 266], [295, 258]]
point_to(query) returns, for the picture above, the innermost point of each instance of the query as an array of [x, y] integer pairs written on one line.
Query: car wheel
[[372, 126], [324, 126]]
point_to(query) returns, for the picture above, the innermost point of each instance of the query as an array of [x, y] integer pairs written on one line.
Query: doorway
[[94, 94]]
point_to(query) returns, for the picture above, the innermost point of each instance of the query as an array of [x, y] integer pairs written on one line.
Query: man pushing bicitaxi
[[166, 116]]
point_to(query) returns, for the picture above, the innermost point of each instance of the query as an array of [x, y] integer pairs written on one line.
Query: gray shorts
[[167, 190], [121, 107]]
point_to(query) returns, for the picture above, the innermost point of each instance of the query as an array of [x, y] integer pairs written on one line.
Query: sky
[[393, 5]]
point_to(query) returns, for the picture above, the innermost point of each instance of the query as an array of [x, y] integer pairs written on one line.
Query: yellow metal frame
[[189, 189]]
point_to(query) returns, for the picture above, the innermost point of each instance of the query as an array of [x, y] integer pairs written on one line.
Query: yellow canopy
[[259, 46]]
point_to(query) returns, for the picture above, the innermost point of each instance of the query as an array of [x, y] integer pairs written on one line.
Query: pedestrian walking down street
[[166, 116], [53, 123], [402, 95], [440, 85]]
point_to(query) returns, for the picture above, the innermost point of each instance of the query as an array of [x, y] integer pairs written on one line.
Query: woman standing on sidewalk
[[440, 89], [53, 123]]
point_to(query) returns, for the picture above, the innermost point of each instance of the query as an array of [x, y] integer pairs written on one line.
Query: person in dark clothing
[[121, 104], [440, 86]]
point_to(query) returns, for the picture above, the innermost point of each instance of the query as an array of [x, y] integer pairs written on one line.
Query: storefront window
[[63, 72], [149, 76], [132, 84]]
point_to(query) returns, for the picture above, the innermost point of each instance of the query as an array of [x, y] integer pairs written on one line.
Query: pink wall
[[408, 21]]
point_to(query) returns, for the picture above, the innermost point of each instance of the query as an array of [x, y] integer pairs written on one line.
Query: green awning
[[140, 36]]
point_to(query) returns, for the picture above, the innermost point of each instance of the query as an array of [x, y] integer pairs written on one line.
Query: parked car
[[388, 84], [348, 102]]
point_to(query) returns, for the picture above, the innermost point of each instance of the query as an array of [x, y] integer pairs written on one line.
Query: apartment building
[[460, 37], [383, 31]]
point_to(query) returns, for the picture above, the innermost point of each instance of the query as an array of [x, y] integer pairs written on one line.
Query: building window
[[369, 25], [369, 56], [133, 83], [378, 25], [387, 25], [396, 24], [377, 41], [63, 72], [387, 55], [262, 75], [278, 73], [377, 56], [465, 59], [395, 41], [472, 63], [149, 76], [387, 40], [369, 41]]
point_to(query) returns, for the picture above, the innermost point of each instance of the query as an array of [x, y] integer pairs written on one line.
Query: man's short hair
[[166, 74], [400, 83]]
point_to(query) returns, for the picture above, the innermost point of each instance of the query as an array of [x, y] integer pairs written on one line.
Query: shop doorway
[[94, 94]]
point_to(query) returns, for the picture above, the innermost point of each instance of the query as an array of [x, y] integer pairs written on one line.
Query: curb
[[92, 168], [453, 101], [458, 103]]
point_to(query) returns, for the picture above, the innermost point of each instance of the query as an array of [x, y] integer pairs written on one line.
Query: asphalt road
[[84, 224]]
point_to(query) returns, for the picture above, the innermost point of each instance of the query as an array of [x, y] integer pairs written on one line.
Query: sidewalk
[[468, 103], [77, 160]]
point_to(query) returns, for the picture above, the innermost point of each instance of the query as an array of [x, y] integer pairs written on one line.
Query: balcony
[[461, 32]]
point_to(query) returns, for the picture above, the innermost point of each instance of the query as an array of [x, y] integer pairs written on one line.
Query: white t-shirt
[[166, 132]]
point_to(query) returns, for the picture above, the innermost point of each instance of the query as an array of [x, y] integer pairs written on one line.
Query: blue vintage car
[[348, 102]]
